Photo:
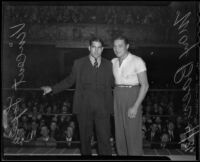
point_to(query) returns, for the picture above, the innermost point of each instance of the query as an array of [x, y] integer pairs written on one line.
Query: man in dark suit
[[154, 136], [93, 102], [173, 136]]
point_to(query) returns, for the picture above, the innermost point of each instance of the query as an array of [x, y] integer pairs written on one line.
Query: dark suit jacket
[[85, 79]]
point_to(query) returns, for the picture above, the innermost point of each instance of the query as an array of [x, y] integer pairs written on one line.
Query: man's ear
[[89, 48], [127, 46], [102, 49]]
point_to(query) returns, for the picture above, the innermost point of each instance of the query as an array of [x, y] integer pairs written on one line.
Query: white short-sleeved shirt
[[126, 74]]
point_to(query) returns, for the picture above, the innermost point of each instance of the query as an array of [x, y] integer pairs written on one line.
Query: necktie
[[96, 63]]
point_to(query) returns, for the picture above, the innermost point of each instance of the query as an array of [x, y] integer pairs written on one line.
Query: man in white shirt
[[131, 87]]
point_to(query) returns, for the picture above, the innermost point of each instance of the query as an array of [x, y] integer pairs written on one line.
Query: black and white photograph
[[90, 80]]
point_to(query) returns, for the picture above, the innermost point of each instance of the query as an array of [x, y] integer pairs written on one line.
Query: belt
[[126, 86]]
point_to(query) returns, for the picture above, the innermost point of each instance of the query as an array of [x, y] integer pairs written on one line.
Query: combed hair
[[121, 37], [96, 39]]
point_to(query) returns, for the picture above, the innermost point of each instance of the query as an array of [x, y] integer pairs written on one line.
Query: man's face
[[154, 127], [44, 131], [165, 138], [96, 49], [120, 48], [53, 126], [171, 126]]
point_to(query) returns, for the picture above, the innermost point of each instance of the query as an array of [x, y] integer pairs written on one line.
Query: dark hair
[[44, 126], [121, 37], [96, 39]]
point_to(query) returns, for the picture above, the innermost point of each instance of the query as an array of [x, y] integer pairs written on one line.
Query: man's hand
[[132, 112], [46, 89]]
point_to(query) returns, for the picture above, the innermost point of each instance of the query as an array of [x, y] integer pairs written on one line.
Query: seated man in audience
[[164, 140], [154, 136], [173, 136], [34, 133], [45, 139], [179, 125], [54, 130], [69, 132]]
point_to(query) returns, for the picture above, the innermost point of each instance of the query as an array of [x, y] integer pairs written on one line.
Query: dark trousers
[[92, 116]]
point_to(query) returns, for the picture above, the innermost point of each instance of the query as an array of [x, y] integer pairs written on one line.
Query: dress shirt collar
[[125, 59], [92, 59]]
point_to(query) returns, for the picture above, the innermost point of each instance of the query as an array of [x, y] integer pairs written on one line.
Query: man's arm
[[67, 82], [142, 93], [64, 84], [143, 89]]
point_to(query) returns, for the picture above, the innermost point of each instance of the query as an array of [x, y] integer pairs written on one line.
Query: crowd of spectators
[[44, 120], [164, 122], [44, 15], [49, 120]]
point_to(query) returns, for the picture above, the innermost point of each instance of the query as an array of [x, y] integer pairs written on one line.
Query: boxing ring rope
[[39, 89]]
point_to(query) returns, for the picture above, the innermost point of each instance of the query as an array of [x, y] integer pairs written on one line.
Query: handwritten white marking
[[17, 135], [189, 131], [21, 58], [185, 71]]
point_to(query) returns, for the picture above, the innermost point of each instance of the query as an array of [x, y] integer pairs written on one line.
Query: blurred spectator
[[171, 111], [72, 124], [39, 117], [55, 109], [41, 108], [67, 103], [155, 109], [195, 121], [24, 121], [45, 138], [48, 116], [34, 112], [55, 118], [179, 125], [148, 110], [183, 141], [160, 110], [69, 135], [159, 124], [173, 135], [54, 131], [48, 112], [42, 123], [171, 132], [154, 136], [164, 140], [63, 123], [65, 109], [34, 133], [144, 131], [29, 105], [27, 129], [149, 121]]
